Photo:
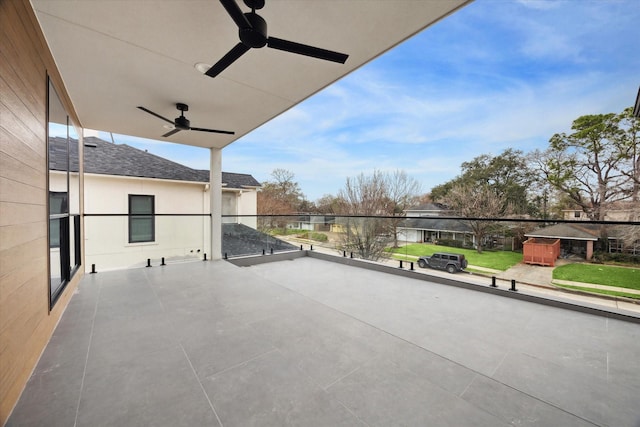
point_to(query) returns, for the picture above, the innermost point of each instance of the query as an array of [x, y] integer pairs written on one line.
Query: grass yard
[[499, 260], [623, 277], [602, 291]]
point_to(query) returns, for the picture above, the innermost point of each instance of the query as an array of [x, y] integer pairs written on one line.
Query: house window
[[576, 214], [141, 218]]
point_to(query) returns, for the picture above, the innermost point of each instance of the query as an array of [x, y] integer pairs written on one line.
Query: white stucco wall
[[176, 237]]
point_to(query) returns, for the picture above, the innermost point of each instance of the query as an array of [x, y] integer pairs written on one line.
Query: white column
[[215, 201]]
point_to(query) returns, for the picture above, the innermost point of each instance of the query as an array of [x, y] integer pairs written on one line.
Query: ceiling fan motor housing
[[256, 36], [182, 123]]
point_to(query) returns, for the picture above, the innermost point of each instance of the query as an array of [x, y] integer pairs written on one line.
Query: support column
[[589, 249], [215, 201]]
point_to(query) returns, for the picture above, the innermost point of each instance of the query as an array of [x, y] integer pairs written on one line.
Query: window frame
[[141, 216]]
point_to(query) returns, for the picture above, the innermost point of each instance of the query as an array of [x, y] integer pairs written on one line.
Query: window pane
[[141, 204], [141, 229]]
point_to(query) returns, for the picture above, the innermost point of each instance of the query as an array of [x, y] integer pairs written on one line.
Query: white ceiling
[[116, 55]]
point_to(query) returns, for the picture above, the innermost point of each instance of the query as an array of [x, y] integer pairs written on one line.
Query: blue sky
[[494, 75]]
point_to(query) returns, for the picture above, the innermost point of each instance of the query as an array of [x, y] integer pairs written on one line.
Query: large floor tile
[[383, 394], [159, 389]]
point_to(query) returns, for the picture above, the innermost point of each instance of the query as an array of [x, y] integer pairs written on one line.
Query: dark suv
[[444, 261]]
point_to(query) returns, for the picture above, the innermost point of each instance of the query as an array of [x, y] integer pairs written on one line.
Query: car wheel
[[422, 263], [451, 268]]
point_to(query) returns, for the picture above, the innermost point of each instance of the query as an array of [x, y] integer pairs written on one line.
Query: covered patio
[[312, 342]]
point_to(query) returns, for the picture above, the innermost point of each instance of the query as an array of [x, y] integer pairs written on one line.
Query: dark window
[[141, 218], [576, 214]]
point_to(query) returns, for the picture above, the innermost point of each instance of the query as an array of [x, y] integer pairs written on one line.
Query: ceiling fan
[[252, 30], [182, 123]]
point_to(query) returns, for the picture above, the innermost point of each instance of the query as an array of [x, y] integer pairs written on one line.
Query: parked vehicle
[[444, 261]]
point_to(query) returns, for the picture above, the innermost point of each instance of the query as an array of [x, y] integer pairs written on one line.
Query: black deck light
[[93, 269], [401, 264], [493, 282], [513, 285], [411, 265], [162, 263], [148, 262]]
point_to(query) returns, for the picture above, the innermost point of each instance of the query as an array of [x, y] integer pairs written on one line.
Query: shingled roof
[[568, 231], [105, 158]]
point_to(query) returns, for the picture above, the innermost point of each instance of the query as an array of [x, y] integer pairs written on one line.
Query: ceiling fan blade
[[228, 132], [176, 130], [231, 56], [236, 13], [155, 114], [303, 49]]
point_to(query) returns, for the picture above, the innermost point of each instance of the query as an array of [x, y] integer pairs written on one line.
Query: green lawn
[[599, 274], [602, 291], [499, 260]]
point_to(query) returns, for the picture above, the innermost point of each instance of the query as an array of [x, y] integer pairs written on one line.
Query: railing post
[[351, 254], [401, 264], [311, 248], [344, 254], [93, 269], [162, 263], [148, 262], [300, 247], [493, 282], [411, 265], [205, 256], [513, 285]]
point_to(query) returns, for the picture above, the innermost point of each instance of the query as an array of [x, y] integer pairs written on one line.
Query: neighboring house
[[621, 238], [170, 200], [423, 225], [312, 222], [618, 211], [575, 239]]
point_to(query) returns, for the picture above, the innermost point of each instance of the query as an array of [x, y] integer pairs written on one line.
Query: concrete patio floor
[[316, 343]]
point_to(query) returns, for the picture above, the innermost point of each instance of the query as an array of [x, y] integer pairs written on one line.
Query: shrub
[[622, 258], [450, 243], [318, 237]]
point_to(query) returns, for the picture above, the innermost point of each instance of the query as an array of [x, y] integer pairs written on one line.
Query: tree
[[472, 201], [280, 196], [379, 194], [328, 204], [402, 193], [597, 164], [508, 174]]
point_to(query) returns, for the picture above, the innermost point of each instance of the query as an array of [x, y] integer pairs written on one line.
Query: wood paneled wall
[[25, 321]]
